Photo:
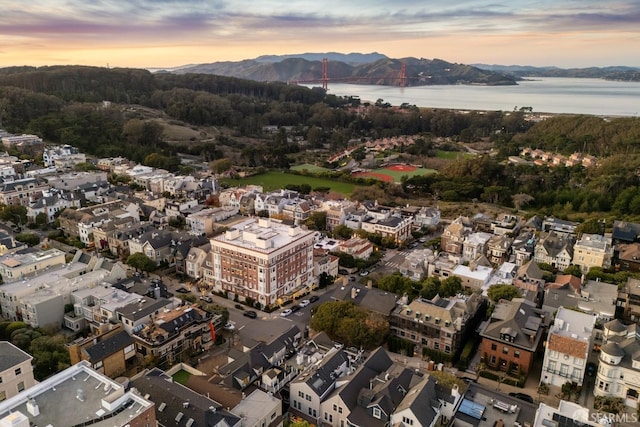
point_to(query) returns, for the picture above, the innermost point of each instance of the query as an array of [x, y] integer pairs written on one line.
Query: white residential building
[[568, 345], [40, 300], [263, 259], [618, 372]]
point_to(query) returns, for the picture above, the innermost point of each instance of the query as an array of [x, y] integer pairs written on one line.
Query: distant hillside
[[383, 71], [349, 58], [606, 73]]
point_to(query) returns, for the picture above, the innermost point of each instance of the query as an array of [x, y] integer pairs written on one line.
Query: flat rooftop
[[74, 396], [482, 407]]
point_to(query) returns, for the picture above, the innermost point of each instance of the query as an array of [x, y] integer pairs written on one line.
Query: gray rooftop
[[11, 356]]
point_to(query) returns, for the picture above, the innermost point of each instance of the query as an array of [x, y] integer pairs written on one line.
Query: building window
[[516, 354], [407, 421], [553, 354], [20, 386], [300, 394], [577, 374], [505, 350], [377, 413], [18, 371], [340, 409], [494, 347], [564, 370], [335, 407], [308, 397], [3, 395]]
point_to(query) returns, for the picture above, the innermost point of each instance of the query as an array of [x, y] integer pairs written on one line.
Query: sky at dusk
[[169, 33]]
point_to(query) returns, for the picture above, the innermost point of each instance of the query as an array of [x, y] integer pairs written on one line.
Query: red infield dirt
[[380, 176], [401, 168]]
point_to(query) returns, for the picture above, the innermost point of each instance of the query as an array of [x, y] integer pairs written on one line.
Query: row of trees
[[428, 288], [46, 346], [350, 324]]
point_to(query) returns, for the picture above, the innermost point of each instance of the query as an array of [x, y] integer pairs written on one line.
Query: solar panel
[[471, 408]]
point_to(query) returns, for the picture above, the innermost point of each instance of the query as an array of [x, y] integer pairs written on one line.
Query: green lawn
[[399, 174], [309, 167], [271, 181], [181, 377], [451, 155]]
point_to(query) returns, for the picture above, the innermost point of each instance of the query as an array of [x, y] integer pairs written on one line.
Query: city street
[[266, 326]]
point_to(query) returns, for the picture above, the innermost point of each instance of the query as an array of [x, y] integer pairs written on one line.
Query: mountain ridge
[[382, 71], [615, 72]]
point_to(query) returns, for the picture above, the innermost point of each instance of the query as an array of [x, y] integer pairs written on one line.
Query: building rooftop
[[177, 405], [72, 397], [59, 279], [517, 322], [109, 346], [262, 235], [482, 407], [11, 356], [21, 259]]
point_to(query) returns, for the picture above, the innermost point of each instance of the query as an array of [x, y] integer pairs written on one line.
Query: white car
[[364, 273], [229, 326], [286, 312], [304, 303]]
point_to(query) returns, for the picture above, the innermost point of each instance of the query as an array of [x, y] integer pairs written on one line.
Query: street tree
[[141, 262], [502, 291]]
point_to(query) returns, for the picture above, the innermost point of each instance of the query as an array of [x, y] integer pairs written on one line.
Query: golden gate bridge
[[401, 78]]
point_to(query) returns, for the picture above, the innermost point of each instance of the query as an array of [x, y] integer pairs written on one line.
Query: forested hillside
[[65, 105]]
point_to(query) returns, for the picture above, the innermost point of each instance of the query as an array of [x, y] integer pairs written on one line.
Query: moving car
[[304, 303], [206, 298], [286, 312], [252, 314], [364, 273], [314, 298], [229, 326]]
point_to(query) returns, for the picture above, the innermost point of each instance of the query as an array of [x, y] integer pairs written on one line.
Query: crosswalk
[[396, 261]]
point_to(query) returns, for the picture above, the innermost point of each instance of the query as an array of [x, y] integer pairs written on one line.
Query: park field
[[271, 181], [452, 155], [309, 168], [397, 175]]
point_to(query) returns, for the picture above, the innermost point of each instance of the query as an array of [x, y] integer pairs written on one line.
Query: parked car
[[364, 273], [239, 306], [250, 313], [591, 369], [182, 290], [295, 308], [229, 326], [304, 303], [207, 298], [286, 312], [314, 298], [352, 278], [522, 396]]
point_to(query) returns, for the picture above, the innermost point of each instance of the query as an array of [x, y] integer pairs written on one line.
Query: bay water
[[544, 95]]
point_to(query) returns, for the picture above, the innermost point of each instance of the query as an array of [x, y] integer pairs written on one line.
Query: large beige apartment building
[[262, 259]]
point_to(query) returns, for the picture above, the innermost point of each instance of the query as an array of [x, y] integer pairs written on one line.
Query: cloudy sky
[[167, 33]]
